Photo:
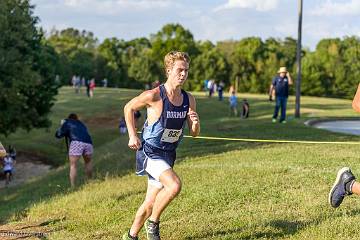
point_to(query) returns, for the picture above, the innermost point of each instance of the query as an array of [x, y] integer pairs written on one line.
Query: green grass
[[231, 190]]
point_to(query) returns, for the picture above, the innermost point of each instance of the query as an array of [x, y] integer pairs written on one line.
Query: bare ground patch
[[28, 165]]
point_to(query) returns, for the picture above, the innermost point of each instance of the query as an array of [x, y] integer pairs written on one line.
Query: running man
[[168, 107]]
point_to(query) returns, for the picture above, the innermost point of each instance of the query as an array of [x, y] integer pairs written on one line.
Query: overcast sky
[[212, 20]]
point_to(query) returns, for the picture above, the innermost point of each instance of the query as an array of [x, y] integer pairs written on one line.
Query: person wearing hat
[[281, 85]]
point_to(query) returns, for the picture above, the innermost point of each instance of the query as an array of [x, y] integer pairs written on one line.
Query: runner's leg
[[172, 187], [144, 210]]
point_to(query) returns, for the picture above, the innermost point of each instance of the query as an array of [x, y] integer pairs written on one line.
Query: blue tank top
[[166, 133]]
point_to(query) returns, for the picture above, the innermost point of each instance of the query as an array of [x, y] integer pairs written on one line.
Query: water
[[341, 126]]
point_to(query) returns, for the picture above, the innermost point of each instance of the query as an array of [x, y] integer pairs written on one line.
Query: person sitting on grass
[[80, 144]]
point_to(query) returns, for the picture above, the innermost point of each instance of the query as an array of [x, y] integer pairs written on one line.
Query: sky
[[213, 20]]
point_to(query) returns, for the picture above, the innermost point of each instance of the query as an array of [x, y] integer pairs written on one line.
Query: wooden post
[[298, 60]]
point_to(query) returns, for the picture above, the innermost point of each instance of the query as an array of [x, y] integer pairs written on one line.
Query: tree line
[[330, 70], [34, 64]]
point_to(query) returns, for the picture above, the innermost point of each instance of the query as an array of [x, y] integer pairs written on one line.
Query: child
[[233, 104], [245, 109], [8, 167], [122, 126]]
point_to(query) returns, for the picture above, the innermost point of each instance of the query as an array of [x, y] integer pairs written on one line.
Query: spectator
[[245, 109], [233, 104], [137, 116], [281, 85], [220, 90], [8, 168], [91, 88], [211, 87], [80, 144], [105, 82], [122, 125]]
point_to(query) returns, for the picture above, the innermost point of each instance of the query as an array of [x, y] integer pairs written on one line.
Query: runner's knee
[[175, 188]]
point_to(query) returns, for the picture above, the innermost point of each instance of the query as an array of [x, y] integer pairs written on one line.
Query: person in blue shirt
[[80, 144], [281, 85], [168, 109], [233, 102]]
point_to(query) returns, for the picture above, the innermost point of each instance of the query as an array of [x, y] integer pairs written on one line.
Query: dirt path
[[27, 166]]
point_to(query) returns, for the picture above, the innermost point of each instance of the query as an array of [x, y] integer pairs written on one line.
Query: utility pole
[[298, 60]]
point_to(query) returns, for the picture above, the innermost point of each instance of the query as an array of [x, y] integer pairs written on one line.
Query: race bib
[[171, 135]]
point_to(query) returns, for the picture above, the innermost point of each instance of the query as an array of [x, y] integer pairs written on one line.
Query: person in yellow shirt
[[2, 151]]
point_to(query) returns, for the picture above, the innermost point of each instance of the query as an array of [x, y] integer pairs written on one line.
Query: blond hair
[[173, 56]]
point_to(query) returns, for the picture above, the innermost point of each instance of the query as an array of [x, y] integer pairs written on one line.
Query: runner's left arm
[[193, 118]]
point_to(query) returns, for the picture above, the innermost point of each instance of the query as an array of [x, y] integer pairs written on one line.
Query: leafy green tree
[[347, 74], [247, 64], [210, 64], [172, 37], [77, 50], [144, 68], [27, 72]]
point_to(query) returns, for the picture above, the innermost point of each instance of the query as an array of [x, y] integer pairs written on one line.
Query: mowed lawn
[[231, 190]]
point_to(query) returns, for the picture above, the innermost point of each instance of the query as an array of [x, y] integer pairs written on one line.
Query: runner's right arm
[[145, 99]]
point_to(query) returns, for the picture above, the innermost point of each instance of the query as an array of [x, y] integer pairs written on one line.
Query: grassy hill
[[231, 190]]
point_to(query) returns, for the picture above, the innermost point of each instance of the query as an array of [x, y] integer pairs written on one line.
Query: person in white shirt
[[8, 168]]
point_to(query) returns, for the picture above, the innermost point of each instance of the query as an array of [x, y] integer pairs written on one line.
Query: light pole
[[298, 60]]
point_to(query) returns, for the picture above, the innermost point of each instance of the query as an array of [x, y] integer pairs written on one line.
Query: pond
[[341, 126]]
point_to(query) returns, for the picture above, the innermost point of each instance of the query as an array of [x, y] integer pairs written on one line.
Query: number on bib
[[171, 135]]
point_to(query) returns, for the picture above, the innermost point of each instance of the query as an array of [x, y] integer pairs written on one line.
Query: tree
[[210, 64], [27, 72], [77, 50], [247, 64], [172, 37]]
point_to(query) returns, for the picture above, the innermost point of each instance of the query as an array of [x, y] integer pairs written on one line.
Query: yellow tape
[[269, 140]]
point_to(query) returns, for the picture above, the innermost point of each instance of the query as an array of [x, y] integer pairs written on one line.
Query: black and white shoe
[[342, 187], [152, 230]]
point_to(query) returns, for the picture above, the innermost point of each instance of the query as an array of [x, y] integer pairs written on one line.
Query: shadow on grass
[[39, 230], [280, 228], [275, 229]]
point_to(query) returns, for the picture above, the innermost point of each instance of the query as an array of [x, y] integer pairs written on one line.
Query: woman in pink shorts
[[80, 144]]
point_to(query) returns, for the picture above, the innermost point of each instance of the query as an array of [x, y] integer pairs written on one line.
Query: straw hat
[[282, 69]]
